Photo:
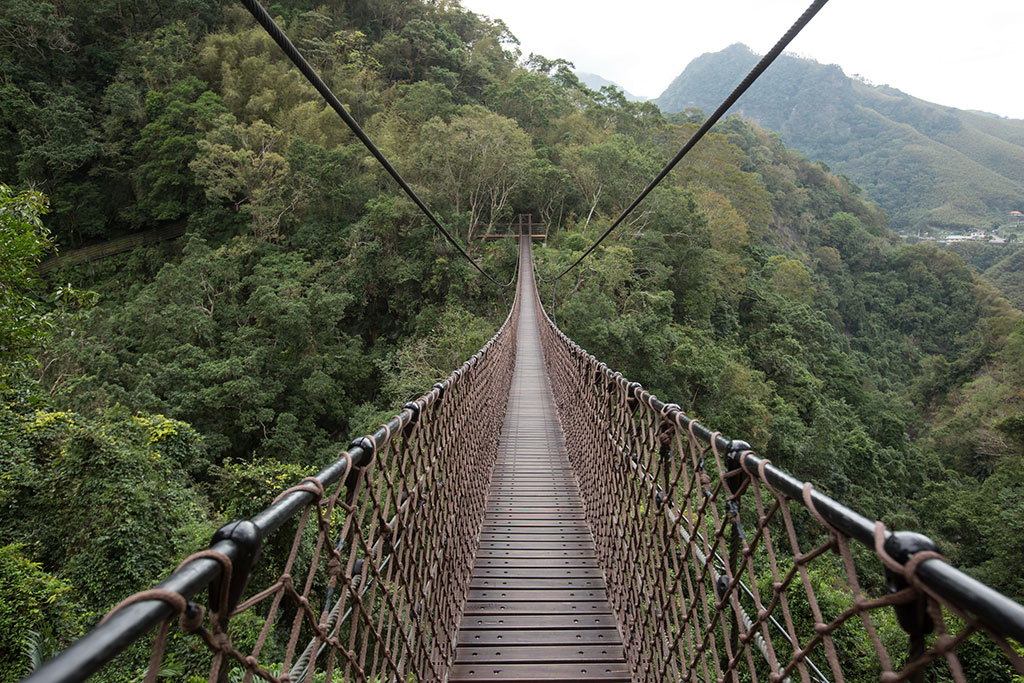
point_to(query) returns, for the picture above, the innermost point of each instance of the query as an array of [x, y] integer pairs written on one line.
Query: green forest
[[150, 397]]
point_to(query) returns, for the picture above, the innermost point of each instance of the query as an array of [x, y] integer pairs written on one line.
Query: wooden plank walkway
[[537, 609]]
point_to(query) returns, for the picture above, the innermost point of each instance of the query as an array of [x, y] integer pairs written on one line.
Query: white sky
[[962, 54]]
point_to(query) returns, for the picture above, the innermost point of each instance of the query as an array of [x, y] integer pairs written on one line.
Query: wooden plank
[[475, 607], [536, 545], [521, 584], [539, 673], [543, 595], [538, 621], [542, 554], [517, 523], [546, 653], [533, 504], [519, 506], [571, 573], [540, 637], [521, 513], [552, 536], [536, 562]]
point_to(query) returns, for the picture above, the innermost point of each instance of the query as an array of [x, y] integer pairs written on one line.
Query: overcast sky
[[963, 54]]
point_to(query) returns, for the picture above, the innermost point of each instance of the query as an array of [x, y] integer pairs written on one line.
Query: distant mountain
[[930, 166], [595, 82]]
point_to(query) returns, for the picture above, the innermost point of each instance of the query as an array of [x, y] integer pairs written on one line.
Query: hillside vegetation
[[928, 165], [155, 395]]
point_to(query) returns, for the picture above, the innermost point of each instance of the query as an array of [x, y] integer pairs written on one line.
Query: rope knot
[[222, 642], [191, 620]]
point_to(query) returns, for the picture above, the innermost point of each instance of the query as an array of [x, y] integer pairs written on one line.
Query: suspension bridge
[[538, 517]]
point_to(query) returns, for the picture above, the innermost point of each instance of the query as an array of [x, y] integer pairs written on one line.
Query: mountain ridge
[[930, 166], [596, 82]]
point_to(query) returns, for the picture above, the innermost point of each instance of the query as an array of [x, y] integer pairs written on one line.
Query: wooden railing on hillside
[[119, 245]]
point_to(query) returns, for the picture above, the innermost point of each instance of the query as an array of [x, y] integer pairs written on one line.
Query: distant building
[[973, 237]]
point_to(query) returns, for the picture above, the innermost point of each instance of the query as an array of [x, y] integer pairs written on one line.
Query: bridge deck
[[538, 609]]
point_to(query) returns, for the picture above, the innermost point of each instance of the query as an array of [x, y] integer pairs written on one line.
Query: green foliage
[[244, 165], [473, 165], [167, 144], [792, 279], [23, 241], [36, 615], [1007, 274], [242, 489], [457, 335], [246, 342], [106, 535]]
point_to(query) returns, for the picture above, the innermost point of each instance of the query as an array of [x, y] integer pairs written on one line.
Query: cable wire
[[712, 120], [275, 32]]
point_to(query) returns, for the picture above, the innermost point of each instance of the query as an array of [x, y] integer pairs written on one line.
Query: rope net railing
[[721, 567], [366, 576]]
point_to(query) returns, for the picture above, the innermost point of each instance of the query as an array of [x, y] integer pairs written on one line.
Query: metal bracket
[[632, 397], [414, 409], [366, 444], [901, 546], [245, 537], [735, 484], [666, 430]]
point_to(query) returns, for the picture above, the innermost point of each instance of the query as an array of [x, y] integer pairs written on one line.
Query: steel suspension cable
[[289, 49], [758, 69]]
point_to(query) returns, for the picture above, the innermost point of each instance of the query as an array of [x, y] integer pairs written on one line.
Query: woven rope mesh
[[714, 575], [371, 581]]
